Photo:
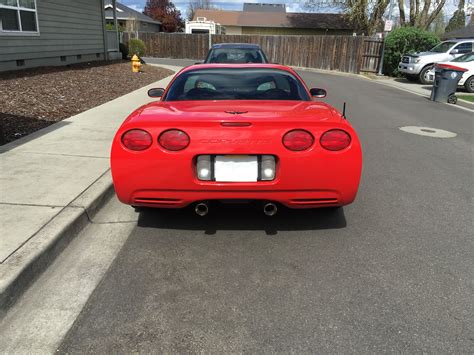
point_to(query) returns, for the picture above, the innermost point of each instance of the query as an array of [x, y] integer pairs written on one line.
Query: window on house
[[18, 16]]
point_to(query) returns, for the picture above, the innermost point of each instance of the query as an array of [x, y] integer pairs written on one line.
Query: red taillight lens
[[298, 140], [174, 140], [335, 140], [137, 139]]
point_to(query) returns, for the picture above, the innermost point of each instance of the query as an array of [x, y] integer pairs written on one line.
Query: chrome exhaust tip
[[201, 209], [270, 209]]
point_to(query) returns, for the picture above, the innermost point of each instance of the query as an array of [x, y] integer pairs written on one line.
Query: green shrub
[[402, 41], [111, 27], [136, 46]]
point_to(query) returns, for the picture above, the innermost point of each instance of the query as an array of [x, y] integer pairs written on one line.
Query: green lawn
[[466, 97]]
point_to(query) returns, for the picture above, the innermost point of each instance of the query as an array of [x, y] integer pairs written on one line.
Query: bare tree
[[367, 15], [422, 13], [194, 5]]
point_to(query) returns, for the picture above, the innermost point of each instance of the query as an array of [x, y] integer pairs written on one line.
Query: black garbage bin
[[446, 83]]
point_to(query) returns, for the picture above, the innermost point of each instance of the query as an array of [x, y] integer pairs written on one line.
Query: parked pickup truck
[[416, 66]]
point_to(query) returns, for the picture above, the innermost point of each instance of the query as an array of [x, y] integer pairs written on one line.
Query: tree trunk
[[376, 17], [401, 9], [435, 13], [423, 18], [412, 12]]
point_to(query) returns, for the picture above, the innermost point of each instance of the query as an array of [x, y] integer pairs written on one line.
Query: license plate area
[[236, 168]]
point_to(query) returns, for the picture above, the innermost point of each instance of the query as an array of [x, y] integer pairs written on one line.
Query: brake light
[[335, 139], [174, 140], [298, 140], [137, 139]]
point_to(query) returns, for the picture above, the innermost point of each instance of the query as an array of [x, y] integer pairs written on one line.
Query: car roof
[[460, 40], [237, 66], [236, 45]]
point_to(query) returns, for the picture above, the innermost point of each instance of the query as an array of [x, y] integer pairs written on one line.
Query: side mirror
[[454, 51], [318, 93], [156, 92]]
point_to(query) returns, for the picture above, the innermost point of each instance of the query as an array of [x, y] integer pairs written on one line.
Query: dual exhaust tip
[[202, 209]]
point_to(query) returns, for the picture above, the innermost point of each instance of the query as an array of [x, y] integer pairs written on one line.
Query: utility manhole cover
[[428, 132]]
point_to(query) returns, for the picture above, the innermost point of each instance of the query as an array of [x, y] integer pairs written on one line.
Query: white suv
[[417, 66]]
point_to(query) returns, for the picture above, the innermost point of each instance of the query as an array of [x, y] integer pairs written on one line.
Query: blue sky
[[292, 5]]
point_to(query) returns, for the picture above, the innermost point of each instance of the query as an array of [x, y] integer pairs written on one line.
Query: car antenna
[[344, 111]]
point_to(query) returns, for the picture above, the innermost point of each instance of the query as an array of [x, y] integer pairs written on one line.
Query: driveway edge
[[23, 267]]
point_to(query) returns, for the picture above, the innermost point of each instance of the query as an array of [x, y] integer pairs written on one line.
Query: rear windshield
[[235, 56], [236, 84], [469, 57]]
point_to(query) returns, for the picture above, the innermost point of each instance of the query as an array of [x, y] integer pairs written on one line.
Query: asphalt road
[[393, 272]]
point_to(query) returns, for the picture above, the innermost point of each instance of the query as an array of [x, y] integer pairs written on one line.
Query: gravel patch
[[35, 98]]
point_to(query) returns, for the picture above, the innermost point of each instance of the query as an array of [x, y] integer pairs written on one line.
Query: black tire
[[452, 99], [411, 77], [423, 77], [469, 84]]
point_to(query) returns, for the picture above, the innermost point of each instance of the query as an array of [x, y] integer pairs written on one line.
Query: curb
[[23, 267], [461, 104], [465, 103], [331, 72]]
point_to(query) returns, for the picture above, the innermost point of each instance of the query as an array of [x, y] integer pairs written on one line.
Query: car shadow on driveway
[[243, 217]]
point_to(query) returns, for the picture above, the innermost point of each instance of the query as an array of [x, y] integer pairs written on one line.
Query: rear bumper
[[308, 179], [291, 199]]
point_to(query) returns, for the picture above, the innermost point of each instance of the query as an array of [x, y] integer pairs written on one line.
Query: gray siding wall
[[68, 28], [149, 27]]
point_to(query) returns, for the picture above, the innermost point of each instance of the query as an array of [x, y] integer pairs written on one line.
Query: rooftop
[[276, 19], [126, 13], [462, 33], [264, 7]]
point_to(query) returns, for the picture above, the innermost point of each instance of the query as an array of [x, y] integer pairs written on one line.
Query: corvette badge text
[[235, 141]]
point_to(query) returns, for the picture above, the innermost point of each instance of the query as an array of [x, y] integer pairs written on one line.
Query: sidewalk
[[417, 88], [51, 183]]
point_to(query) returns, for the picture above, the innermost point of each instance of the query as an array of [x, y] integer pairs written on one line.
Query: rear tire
[[469, 84], [423, 77]]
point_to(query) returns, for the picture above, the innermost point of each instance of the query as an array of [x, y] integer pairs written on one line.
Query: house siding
[[68, 28], [233, 30], [149, 27]]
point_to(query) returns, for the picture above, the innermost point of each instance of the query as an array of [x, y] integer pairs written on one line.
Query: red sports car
[[236, 132]]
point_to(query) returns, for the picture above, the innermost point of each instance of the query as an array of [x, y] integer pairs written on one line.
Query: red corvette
[[236, 132]]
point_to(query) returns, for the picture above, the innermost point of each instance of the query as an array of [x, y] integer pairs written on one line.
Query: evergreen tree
[[459, 18]]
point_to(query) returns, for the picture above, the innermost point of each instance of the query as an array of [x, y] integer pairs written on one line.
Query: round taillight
[[137, 139], [298, 140], [174, 139], [335, 139]]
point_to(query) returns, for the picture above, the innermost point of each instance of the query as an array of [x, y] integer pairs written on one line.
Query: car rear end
[[296, 161], [225, 53]]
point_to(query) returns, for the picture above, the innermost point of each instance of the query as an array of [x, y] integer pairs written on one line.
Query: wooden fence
[[343, 53]]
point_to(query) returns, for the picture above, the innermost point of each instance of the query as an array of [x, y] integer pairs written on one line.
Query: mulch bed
[[35, 98]]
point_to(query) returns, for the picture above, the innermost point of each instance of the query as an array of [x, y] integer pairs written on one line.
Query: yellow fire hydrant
[[136, 65]]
